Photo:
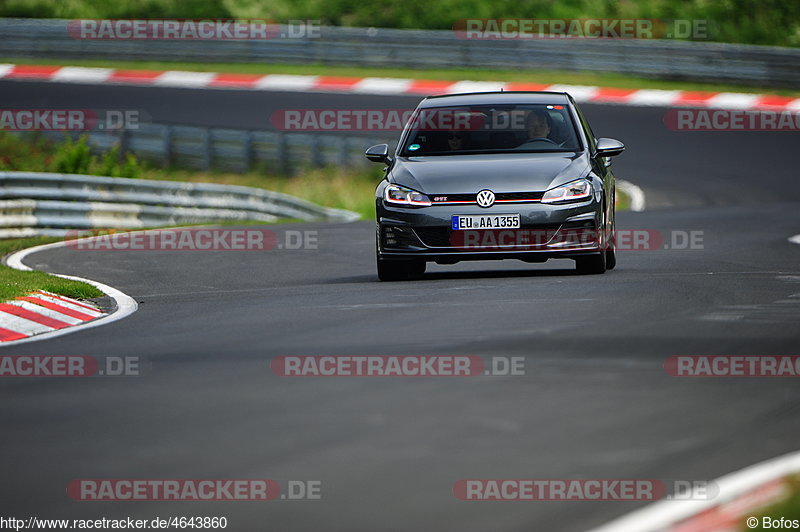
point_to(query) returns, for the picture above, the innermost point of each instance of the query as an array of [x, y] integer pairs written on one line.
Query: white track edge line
[[657, 516], [794, 239], [636, 194], [126, 305]]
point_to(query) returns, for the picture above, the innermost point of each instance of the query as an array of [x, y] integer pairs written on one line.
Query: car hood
[[468, 174]]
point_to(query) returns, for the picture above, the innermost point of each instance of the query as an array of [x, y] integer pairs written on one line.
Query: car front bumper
[[547, 231]]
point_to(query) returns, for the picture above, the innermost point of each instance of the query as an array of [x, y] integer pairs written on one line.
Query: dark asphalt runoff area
[[594, 402]]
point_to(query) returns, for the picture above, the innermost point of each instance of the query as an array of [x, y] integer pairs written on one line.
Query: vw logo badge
[[485, 198]]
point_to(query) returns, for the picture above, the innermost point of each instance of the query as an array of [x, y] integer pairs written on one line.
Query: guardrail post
[[124, 143], [316, 150], [283, 153], [343, 155], [247, 149], [208, 156], [166, 140]]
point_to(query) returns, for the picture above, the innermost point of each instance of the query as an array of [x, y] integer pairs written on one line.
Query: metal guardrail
[[235, 150], [51, 204], [700, 61]]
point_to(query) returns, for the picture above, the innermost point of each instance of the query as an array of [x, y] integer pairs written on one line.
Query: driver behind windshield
[[455, 140], [538, 123]]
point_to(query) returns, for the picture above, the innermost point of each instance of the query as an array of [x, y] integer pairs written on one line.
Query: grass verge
[[15, 283], [539, 76], [789, 508]]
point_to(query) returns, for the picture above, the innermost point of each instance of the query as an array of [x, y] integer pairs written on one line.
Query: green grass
[[539, 76], [15, 283], [788, 508]]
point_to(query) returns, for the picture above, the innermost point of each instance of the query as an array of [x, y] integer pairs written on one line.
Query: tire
[[400, 270], [611, 258], [611, 244], [591, 264]]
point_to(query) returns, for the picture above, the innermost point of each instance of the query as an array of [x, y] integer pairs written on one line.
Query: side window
[[586, 128]]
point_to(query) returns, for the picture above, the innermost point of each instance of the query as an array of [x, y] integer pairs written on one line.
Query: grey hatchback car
[[497, 175]]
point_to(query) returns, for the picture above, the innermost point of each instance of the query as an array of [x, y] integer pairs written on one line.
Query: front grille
[[519, 196], [499, 196]]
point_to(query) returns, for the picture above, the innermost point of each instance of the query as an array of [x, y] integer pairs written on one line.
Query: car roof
[[496, 97]]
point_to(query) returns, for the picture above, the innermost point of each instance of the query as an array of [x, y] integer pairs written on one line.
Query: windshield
[[521, 128]]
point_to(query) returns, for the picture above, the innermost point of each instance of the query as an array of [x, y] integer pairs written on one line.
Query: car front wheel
[[591, 264], [611, 251], [611, 258], [400, 270]]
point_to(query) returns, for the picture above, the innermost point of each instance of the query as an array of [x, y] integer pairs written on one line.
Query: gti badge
[[485, 198]]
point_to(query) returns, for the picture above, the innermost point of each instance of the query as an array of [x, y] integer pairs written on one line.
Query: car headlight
[[572, 191], [399, 195]]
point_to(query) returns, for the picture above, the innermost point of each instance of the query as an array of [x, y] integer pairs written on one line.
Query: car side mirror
[[609, 147], [378, 154]]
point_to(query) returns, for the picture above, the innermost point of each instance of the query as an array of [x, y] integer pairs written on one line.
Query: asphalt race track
[[595, 401]]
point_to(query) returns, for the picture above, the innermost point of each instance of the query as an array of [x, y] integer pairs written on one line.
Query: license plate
[[485, 221]]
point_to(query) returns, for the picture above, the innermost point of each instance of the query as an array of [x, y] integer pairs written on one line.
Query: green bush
[[34, 153], [116, 9], [73, 157], [113, 164]]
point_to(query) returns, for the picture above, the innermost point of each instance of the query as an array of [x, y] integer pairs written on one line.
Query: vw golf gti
[[497, 175]]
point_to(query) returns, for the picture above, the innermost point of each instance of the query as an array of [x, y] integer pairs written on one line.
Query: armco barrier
[[51, 204], [232, 149], [672, 59]]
